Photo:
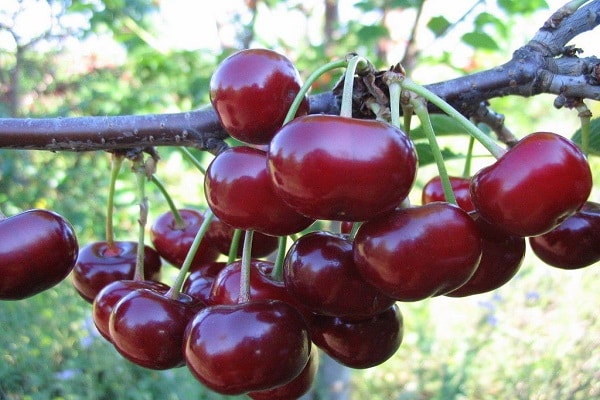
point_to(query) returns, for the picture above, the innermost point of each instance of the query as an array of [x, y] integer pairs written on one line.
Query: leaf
[[594, 145], [426, 156], [480, 40], [438, 25], [370, 33], [443, 125], [522, 7]]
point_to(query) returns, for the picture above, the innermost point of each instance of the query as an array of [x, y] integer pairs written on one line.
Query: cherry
[[337, 168], [253, 346], [319, 271], [147, 327], [434, 191], [297, 387], [413, 253], [199, 283], [501, 258], [99, 264], [107, 298], [173, 242], [38, 249], [360, 343], [240, 193], [252, 91], [534, 186], [221, 235], [573, 244]]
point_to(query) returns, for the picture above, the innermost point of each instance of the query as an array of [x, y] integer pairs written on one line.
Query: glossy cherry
[[240, 193], [221, 235], [173, 242], [414, 253], [99, 264], [253, 346], [252, 91], [501, 258], [199, 283], [319, 270], [38, 249], [109, 296], [434, 191], [360, 344], [534, 186], [337, 168], [147, 327], [573, 244]]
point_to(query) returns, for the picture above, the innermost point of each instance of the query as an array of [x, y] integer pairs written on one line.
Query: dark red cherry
[[240, 193], [573, 244], [252, 91], [147, 327], [414, 253], [221, 235], [107, 298], [38, 249], [254, 346], [501, 258], [434, 191], [173, 242], [336, 168], [99, 264], [298, 387], [360, 344], [535, 186], [319, 271], [199, 283]]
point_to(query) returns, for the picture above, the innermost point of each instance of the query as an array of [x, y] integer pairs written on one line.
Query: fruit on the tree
[[109, 296], [252, 91], [434, 191], [173, 242], [415, 253], [199, 283], [38, 249], [360, 343], [240, 193], [337, 168], [221, 235], [298, 387], [573, 244], [253, 346], [534, 186], [99, 264], [147, 327], [319, 270], [501, 258]]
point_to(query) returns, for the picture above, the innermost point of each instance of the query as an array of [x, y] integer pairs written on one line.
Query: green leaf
[[438, 25], [443, 125], [480, 40], [426, 156], [370, 33], [594, 145], [522, 7]]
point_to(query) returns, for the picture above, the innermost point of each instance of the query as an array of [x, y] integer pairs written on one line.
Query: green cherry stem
[[116, 163], [485, 140], [140, 174], [233, 248], [187, 154], [277, 273], [423, 115], [354, 62], [585, 116], [179, 223], [244, 296], [468, 161], [395, 93], [174, 291]]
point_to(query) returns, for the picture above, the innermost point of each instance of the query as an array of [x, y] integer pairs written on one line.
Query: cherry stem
[[141, 176], [179, 222], [235, 244], [174, 291], [192, 159], [585, 116], [115, 168], [467, 169], [354, 230], [307, 85], [395, 93], [277, 273], [423, 115], [485, 140], [244, 296], [353, 63]]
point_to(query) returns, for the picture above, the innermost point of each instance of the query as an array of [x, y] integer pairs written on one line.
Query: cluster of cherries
[[253, 325]]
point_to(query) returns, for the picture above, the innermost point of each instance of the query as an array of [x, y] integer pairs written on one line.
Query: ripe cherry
[[360, 343], [99, 264], [199, 283], [534, 186], [240, 193], [147, 327], [252, 91], [38, 249], [337, 168], [573, 244], [319, 270], [434, 191], [173, 242], [413, 253], [253, 346]]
